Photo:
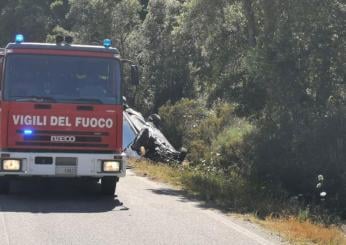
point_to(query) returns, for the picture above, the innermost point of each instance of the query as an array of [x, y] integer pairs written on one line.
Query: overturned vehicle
[[143, 138]]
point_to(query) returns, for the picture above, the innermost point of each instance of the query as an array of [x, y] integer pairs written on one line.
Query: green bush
[[229, 147], [180, 119], [229, 191], [213, 137]]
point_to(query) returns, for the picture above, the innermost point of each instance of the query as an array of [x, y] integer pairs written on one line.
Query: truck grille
[[55, 132], [47, 138], [80, 139]]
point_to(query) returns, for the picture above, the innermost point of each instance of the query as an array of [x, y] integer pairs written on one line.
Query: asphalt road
[[143, 212]]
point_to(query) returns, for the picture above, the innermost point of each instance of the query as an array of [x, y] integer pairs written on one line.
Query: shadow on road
[[171, 192], [58, 196], [184, 196]]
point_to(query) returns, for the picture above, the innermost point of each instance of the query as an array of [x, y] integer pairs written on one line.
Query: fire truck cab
[[61, 112]]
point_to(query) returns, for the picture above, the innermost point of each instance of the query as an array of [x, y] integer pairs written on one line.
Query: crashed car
[[143, 138]]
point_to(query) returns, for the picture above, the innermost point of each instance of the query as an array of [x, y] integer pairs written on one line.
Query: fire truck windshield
[[62, 79]]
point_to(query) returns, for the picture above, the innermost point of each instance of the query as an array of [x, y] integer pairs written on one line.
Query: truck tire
[[108, 185], [4, 185]]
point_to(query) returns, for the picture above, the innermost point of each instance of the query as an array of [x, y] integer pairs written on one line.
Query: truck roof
[[50, 46]]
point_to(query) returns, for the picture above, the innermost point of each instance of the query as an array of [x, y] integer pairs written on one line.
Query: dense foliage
[[260, 82]]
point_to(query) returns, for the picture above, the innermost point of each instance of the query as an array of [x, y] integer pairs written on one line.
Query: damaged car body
[[143, 138]]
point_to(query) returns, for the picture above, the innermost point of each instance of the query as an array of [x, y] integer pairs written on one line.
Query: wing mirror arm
[[134, 71]]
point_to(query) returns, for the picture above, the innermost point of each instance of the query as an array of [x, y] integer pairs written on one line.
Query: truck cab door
[[2, 54]]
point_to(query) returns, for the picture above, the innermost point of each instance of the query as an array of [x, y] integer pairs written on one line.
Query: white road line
[[7, 238], [238, 228]]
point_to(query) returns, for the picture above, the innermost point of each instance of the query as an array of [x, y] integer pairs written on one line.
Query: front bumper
[[63, 164]]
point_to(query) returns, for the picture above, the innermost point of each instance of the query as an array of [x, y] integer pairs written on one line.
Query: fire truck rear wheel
[[108, 185], [4, 185]]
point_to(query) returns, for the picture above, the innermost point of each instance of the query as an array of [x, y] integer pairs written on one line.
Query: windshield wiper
[[35, 99], [84, 100]]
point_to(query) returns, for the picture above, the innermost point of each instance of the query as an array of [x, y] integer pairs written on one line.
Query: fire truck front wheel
[[4, 185], [108, 185]]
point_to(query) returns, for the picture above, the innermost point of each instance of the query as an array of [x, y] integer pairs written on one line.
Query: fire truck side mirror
[[134, 75], [1, 68]]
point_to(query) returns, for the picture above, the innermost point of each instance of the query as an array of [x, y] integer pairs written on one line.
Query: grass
[[159, 172], [234, 194], [206, 186]]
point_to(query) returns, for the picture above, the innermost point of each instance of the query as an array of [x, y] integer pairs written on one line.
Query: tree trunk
[[269, 19], [251, 23]]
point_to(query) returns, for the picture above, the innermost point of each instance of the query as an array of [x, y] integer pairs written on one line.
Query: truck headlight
[[11, 165], [111, 166]]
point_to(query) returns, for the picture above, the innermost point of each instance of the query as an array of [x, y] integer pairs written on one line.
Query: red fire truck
[[61, 112]]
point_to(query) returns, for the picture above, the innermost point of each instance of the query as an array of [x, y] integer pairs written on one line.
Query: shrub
[[213, 136], [179, 120]]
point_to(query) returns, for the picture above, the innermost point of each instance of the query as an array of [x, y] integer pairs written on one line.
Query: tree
[[96, 20], [299, 62], [30, 18], [166, 68]]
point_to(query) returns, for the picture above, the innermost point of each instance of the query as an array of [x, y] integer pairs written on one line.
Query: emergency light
[[28, 132], [107, 43], [19, 38]]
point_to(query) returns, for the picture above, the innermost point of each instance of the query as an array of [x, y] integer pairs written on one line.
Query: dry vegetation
[[159, 172], [293, 229], [303, 232]]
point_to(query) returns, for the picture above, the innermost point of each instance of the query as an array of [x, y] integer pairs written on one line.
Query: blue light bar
[[28, 132], [19, 38], [107, 43]]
